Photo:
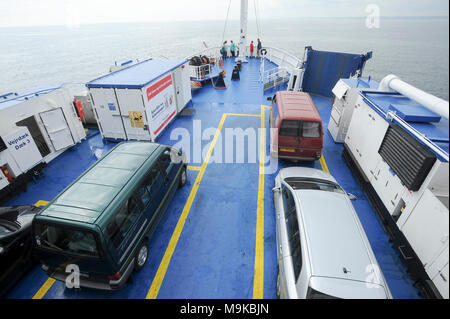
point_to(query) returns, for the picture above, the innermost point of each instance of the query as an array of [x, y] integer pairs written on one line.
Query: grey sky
[[76, 12]]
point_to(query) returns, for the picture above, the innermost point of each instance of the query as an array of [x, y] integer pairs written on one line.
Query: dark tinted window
[[67, 240], [165, 161], [290, 128], [314, 184], [314, 294], [150, 185], [155, 180], [122, 222], [293, 232], [311, 129]]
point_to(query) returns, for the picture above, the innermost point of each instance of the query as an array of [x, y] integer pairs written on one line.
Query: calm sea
[[415, 49]]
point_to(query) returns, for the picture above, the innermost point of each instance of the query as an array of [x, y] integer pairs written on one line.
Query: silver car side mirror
[[276, 189], [351, 196]]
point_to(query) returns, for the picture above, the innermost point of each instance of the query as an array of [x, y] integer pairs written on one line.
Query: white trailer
[[36, 126], [346, 92], [400, 150], [138, 102]]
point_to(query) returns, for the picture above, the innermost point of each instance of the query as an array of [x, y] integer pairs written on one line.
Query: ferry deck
[[217, 238]]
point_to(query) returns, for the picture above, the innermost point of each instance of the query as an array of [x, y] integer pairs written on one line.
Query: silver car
[[322, 249]]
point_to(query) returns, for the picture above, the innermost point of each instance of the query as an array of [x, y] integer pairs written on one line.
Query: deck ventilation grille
[[407, 157]]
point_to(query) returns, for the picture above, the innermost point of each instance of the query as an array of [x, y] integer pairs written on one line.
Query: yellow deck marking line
[[324, 165], [194, 168], [159, 277], [45, 287], [258, 279], [41, 203], [50, 281], [242, 114]]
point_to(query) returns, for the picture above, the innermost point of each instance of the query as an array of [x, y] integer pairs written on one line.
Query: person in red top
[[252, 49]]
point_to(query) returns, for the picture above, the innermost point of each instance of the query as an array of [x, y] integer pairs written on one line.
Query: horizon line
[[209, 20]]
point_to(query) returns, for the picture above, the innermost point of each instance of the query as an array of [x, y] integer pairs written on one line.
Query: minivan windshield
[[313, 184], [67, 240]]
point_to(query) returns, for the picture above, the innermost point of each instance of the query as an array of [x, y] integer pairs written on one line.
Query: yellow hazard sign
[[136, 119]]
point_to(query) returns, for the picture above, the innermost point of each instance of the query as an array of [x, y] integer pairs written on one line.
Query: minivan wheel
[[183, 177], [141, 257]]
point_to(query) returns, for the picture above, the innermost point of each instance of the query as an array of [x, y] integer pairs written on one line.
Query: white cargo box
[[138, 102], [36, 125]]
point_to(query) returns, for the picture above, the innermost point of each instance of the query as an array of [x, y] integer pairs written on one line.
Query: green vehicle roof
[[90, 194]]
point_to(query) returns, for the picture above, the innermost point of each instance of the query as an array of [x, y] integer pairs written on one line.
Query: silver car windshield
[[313, 184]]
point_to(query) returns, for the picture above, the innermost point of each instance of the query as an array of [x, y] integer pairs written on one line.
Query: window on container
[[290, 128], [311, 129]]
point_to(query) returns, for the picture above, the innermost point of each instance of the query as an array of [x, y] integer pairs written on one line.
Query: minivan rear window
[[314, 184], [311, 129], [305, 129], [290, 128], [67, 240]]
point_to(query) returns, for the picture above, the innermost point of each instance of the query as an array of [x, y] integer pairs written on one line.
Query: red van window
[[311, 129], [290, 128]]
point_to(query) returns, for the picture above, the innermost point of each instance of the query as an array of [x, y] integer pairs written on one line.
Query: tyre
[[183, 178], [141, 256], [278, 284]]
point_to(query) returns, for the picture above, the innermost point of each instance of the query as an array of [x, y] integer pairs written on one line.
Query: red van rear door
[[289, 138], [300, 138]]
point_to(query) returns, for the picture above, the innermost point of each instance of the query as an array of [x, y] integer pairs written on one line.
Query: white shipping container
[[140, 101]]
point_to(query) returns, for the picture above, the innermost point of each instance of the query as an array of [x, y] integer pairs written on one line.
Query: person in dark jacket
[[258, 48]]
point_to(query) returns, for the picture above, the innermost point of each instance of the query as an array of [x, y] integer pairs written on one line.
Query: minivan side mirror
[[351, 196]]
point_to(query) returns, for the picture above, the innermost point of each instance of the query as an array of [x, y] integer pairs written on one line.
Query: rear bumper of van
[[92, 283], [314, 157]]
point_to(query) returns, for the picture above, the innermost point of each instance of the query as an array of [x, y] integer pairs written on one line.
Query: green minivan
[[103, 220]]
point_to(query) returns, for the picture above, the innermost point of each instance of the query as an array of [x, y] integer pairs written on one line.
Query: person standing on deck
[[223, 50], [258, 48], [252, 49], [233, 49]]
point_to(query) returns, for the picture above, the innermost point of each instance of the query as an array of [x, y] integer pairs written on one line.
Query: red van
[[296, 127]]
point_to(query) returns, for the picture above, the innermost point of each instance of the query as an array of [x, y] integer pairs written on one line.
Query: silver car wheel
[[142, 256], [278, 284], [183, 177]]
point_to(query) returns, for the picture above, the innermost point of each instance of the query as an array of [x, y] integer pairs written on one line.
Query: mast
[[243, 35]]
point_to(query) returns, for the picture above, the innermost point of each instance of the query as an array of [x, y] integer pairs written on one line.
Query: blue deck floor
[[215, 253]]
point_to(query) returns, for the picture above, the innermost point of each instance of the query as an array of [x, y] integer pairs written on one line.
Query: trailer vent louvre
[[407, 157]]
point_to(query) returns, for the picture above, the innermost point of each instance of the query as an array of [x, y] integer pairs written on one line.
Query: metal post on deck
[[243, 37]]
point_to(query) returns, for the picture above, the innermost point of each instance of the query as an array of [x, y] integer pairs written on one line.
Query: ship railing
[[274, 77], [283, 59], [209, 70]]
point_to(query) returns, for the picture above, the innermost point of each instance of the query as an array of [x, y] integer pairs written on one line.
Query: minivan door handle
[[280, 248]]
